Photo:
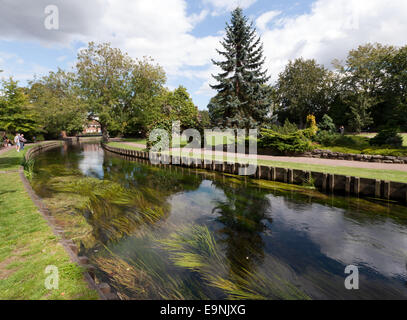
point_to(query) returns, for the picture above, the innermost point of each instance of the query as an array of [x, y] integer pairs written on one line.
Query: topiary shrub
[[387, 137], [287, 144]]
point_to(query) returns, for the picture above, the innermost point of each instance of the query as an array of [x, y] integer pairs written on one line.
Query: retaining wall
[[329, 183], [327, 154]]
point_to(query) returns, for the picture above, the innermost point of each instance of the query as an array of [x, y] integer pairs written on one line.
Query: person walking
[[17, 142], [22, 142]]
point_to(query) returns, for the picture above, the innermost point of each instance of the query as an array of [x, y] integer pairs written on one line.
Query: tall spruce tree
[[243, 99]]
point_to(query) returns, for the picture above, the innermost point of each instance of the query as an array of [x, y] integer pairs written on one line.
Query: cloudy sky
[[182, 35]]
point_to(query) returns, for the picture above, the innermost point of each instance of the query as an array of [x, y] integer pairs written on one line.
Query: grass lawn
[[388, 175], [360, 144], [28, 245]]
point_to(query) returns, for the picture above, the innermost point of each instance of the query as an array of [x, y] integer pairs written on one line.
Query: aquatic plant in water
[[195, 248]]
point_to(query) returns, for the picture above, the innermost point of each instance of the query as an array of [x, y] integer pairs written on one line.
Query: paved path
[[3, 150], [315, 161]]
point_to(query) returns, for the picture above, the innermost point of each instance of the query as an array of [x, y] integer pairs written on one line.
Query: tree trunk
[[105, 134]]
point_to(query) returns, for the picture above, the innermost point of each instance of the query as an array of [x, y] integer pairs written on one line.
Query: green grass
[[359, 144], [28, 245]]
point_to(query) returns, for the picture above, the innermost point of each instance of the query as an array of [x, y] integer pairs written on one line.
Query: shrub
[[387, 137], [289, 144], [287, 128], [327, 124], [327, 138], [312, 124]]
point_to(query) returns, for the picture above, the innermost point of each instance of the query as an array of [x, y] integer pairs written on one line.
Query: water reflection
[[185, 234]]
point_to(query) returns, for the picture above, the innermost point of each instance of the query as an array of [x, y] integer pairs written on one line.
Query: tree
[[172, 106], [363, 78], [16, 114], [304, 88], [105, 79], [147, 88], [243, 100], [395, 90], [205, 119], [57, 103]]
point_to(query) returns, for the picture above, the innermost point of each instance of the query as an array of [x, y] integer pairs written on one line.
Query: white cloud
[[221, 6], [265, 18], [332, 28]]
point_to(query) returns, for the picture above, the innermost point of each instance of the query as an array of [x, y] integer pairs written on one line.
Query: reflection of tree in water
[[242, 214]]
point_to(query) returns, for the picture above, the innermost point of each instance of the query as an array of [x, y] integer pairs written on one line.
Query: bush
[[287, 128], [387, 137], [327, 124], [289, 144], [327, 138], [312, 124]]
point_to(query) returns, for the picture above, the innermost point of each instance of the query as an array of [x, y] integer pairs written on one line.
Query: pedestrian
[[17, 142], [342, 130], [5, 140], [22, 142]]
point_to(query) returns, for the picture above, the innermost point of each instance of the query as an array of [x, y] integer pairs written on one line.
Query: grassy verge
[[359, 144], [388, 175], [28, 245]]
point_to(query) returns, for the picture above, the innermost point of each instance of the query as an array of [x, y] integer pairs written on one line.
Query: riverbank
[[368, 170], [28, 245]]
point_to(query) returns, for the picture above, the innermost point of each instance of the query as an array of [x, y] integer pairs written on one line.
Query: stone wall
[[327, 154], [329, 183]]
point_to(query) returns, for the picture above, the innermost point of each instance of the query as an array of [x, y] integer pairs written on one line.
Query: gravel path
[[315, 161]]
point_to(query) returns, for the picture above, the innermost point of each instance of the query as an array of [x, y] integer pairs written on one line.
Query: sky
[[183, 35]]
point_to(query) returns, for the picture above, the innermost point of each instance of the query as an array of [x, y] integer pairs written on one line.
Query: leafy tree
[[57, 103], [147, 87], [105, 79], [172, 106], [243, 99], [304, 88], [205, 119], [16, 114], [394, 110], [363, 81]]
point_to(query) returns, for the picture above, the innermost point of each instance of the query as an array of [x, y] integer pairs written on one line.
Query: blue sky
[[182, 36]]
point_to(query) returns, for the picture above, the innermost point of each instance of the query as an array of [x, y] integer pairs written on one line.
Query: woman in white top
[[17, 142]]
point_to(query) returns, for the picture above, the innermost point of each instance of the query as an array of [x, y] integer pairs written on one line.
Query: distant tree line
[[126, 97]]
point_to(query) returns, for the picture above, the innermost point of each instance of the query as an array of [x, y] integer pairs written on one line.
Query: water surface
[[174, 233]]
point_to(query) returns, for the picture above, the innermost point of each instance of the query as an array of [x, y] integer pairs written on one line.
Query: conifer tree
[[244, 98]]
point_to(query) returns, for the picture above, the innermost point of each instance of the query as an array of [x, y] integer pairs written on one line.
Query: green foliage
[[57, 105], [243, 99], [388, 137], [363, 82], [327, 124], [172, 106], [327, 138], [304, 88], [287, 128], [205, 119], [16, 114], [292, 143]]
